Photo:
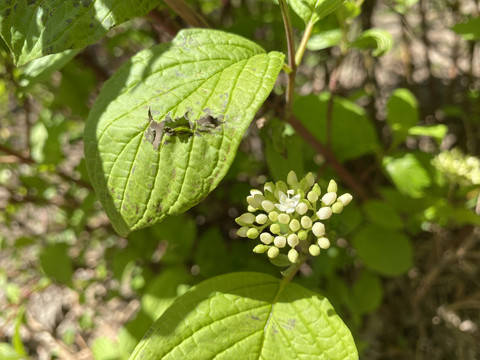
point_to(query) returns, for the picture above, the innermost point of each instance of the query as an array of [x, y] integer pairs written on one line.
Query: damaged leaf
[[165, 128]]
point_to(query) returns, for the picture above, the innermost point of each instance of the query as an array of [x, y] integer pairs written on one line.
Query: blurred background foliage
[[388, 104]]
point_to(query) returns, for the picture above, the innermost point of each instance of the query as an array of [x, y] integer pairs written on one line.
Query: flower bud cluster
[[289, 217], [458, 167]]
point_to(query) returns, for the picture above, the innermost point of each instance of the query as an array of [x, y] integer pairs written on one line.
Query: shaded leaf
[[470, 29], [324, 39], [252, 314], [32, 29], [165, 128], [385, 251], [378, 40], [367, 293], [56, 263], [402, 114], [383, 214]]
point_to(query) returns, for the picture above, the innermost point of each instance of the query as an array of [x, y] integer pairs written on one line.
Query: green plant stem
[[291, 57], [187, 13], [303, 43]]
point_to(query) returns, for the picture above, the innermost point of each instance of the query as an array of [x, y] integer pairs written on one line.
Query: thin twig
[[187, 13]]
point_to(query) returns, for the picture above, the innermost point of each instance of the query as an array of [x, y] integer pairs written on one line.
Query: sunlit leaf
[[312, 11], [252, 314], [402, 114], [378, 40], [165, 128]]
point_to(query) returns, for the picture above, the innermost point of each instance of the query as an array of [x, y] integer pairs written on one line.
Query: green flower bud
[[252, 233], [292, 178], [281, 186], [250, 208], [314, 250], [332, 186], [294, 225], [273, 252], [273, 215], [306, 222], [301, 208], [302, 235], [280, 241], [254, 192], [245, 219], [260, 248], [267, 205], [323, 242], [337, 207], [312, 197], [275, 228], [293, 255], [261, 219], [317, 189], [266, 238], [269, 186], [292, 240], [324, 213], [318, 229], [329, 198], [242, 232], [284, 218], [345, 199], [310, 179]]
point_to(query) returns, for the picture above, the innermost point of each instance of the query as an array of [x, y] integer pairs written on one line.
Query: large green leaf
[[248, 316], [35, 28], [312, 11], [165, 128]]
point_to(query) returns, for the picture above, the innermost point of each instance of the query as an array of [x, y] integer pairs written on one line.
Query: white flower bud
[[292, 240], [245, 219], [284, 218], [332, 186], [301, 208], [294, 225], [318, 229], [292, 178], [324, 213], [306, 222], [314, 250], [337, 207], [275, 228], [312, 197], [273, 216], [269, 186], [316, 188], [280, 241], [329, 198], [293, 255], [323, 242], [242, 232], [266, 238], [345, 199], [273, 252], [251, 208], [261, 219], [255, 191], [252, 233], [267, 205]]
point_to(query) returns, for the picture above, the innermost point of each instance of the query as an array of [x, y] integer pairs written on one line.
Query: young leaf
[[165, 128], [252, 314], [379, 40], [32, 29], [312, 11]]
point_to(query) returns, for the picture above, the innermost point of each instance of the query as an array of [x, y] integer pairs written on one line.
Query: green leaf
[[252, 314], [211, 254], [409, 173], [283, 154], [324, 39], [402, 114], [7, 352], [165, 128], [105, 349], [32, 29], [402, 6], [470, 30], [379, 40], [367, 293], [385, 251], [437, 132], [56, 264], [383, 214], [352, 132], [311, 11], [40, 70]]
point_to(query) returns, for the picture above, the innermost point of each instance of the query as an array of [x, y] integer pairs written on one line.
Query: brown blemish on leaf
[[154, 131]]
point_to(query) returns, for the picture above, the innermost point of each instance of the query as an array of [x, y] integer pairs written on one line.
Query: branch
[[187, 13], [330, 158]]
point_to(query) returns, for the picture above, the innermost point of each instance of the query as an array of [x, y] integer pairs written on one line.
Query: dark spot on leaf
[[154, 131], [9, 2], [91, 25], [86, 3], [31, 2], [7, 12], [255, 317], [69, 21]]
